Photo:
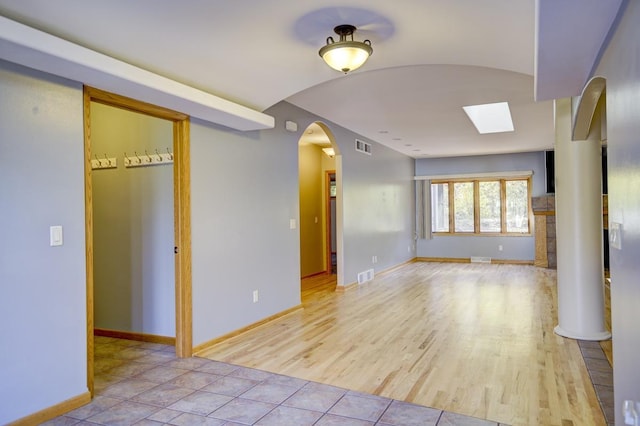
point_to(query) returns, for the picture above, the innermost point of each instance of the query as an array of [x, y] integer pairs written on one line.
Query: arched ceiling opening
[[430, 58]]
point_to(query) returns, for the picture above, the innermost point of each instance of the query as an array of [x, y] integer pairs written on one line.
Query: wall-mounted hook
[[103, 163], [170, 154], [146, 159]]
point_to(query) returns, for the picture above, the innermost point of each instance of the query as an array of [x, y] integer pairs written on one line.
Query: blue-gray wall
[[244, 193], [42, 289], [244, 190], [620, 65], [514, 247], [379, 206]]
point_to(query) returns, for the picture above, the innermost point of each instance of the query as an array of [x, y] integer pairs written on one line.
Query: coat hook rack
[[147, 159], [104, 163]]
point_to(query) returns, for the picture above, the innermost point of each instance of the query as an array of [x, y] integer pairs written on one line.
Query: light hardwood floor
[[473, 339]]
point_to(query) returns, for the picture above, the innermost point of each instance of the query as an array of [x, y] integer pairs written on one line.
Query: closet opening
[[137, 220]]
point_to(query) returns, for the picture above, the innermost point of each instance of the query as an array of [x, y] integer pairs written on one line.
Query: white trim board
[[499, 175], [32, 48]]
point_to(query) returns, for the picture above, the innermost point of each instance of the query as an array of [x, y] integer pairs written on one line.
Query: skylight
[[490, 118]]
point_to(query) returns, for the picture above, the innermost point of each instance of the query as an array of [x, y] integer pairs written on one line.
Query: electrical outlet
[[500, 247], [255, 296]]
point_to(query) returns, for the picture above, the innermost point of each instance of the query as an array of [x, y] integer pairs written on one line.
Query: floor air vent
[[365, 276], [479, 259]]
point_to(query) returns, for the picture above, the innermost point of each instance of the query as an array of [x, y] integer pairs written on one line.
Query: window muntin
[[481, 206]]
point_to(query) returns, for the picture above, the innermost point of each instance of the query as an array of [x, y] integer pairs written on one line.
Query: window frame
[[476, 206]]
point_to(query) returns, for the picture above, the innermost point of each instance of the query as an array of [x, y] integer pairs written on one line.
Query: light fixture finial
[[346, 54]]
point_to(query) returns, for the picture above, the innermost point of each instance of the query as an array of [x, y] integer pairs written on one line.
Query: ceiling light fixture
[[345, 55], [329, 151]]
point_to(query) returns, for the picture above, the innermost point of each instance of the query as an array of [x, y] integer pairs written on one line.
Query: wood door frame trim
[[327, 201], [182, 227], [182, 216]]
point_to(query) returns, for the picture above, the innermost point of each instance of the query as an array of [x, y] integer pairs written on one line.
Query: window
[[517, 206], [463, 206], [481, 206], [440, 207], [490, 211]]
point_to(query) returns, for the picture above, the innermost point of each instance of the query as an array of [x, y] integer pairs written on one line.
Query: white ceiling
[[431, 57]]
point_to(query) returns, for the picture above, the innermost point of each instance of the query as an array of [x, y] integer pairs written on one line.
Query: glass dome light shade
[[346, 56]]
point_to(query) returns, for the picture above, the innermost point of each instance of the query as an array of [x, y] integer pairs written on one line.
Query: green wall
[[133, 231], [312, 237]]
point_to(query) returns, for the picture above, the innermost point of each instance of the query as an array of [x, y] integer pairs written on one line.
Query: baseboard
[[130, 335], [444, 259], [344, 288], [468, 260], [53, 411], [512, 262], [199, 349], [398, 266], [351, 286], [315, 274]]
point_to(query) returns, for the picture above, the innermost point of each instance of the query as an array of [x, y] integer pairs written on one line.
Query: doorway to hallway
[[330, 204], [319, 165]]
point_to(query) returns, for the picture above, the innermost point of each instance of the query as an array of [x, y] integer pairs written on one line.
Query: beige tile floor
[[144, 384]]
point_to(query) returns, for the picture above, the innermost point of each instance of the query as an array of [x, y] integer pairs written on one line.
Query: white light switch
[[292, 224], [55, 235]]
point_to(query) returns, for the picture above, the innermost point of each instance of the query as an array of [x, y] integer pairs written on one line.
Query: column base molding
[[598, 336]]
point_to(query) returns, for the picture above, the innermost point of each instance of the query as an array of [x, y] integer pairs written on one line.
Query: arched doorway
[[320, 186]]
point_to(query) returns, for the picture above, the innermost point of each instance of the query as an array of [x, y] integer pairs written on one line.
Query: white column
[[578, 174]]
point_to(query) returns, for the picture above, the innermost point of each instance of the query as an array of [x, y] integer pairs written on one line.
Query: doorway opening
[[330, 204], [179, 151], [320, 192]]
